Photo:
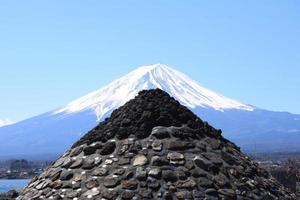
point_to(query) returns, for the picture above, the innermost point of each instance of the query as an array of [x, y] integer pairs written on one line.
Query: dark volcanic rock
[[179, 145], [169, 175], [77, 163], [129, 184], [154, 148], [111, 182], [108, 148], [88, 163], [66, 175]]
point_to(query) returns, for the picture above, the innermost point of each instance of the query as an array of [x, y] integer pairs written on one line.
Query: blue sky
[[54, 51]]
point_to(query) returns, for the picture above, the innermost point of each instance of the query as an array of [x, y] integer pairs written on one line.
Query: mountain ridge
[[150, 77], [5, 122], [252, 128]]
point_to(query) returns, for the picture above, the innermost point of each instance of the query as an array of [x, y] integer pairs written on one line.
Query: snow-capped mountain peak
[[5, 122], [177, 84], [256, 131]]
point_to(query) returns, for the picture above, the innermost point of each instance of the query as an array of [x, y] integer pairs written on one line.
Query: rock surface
[[154, 148], [12, 194]]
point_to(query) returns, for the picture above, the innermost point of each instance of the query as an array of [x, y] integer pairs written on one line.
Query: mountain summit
[[154, 148], [254, 129], [187, 91]]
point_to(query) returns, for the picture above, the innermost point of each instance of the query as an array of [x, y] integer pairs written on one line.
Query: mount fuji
[[252, 128], [5, 122]]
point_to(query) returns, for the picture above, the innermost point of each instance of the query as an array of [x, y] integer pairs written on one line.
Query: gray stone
[[66, 184], [128, 195], [221, 180], [79, 177], [202, 163], [177, 145], [155, 173], [141, 173], [108, 148], [129, 184], [129, 174], [213, 143], [67, 163], [201, 145], [169, 175], [228, 158], [198, 194], [91, 183], [124, 161], [184, 195], [55, 185], [153, 183], [58, 163], [140, 160], [88, 150], [76, 185], [211, 191], [145, 193], [98, 160], [167, 195], [159, 161], [55, 175], [109, 194], [100, 172], [119, 171], [91, 193], [183, 132], [123, 149], [77, 163], [204, 182], [198, 172], [72, 194], [181, 174], [126, 122], [185, 184], [88, 163], [111, 182], [157, 145], [176, 158], [66, 175], [76, 151], [108, 162], [227, 192], [161, 132], [43, 184]]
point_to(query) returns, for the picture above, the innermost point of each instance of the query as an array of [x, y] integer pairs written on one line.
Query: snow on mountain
[[5, 122], [51, 133], [177, 84]]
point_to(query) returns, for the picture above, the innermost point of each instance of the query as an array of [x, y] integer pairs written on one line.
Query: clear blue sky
[[54, 51]]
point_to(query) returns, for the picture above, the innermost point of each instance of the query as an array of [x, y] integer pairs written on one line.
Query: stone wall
[[154, 148]]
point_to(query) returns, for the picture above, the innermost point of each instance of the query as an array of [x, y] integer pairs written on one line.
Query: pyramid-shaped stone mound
[[154, 148]]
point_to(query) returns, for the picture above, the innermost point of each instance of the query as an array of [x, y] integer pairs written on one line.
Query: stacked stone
[[154, 148]]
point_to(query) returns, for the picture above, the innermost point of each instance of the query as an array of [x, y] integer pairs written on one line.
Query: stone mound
[[154, 148]]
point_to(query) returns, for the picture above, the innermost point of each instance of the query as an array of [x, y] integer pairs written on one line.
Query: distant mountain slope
[[259, 131], [177, 84], [5, 122], [253, 129]]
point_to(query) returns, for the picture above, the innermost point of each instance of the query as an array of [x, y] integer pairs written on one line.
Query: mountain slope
[[251, 128], [186, 90], [5, 122]]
